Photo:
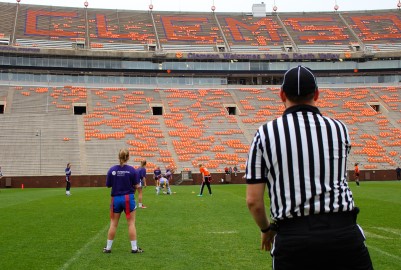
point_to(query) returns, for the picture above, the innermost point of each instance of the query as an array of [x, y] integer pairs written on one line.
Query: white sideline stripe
[[385, 253], [82, 249]]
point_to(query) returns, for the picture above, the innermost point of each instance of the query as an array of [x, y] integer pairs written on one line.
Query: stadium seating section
[[183, 127], [195, 125], [103, 29]]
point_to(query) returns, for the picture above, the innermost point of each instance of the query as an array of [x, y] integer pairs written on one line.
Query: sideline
[[78, 254]]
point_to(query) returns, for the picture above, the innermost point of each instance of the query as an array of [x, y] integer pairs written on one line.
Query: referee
[[301, 157]]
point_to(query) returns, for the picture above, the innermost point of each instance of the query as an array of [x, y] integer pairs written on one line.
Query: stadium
[[183, 88], [180, 89]]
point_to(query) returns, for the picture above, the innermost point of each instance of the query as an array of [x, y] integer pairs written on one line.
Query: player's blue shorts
[[124, 203]]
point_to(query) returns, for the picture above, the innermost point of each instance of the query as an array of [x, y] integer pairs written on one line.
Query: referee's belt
[[325, 221]]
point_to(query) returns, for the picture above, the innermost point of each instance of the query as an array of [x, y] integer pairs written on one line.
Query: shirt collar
[[302, 108]]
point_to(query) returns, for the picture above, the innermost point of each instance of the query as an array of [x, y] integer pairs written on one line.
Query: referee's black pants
[[321, 242]]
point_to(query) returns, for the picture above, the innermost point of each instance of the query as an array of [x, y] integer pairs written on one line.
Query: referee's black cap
[[299, 81]]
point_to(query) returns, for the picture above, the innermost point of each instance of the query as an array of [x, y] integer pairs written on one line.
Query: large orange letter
[[104, 32], [31, 23], [268, 25], [362, 22], [187, 29], [301, 25]]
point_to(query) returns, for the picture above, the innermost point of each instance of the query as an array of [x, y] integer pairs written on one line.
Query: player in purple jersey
[[122, 179], [157, 174], [142, 184], [67, 179]]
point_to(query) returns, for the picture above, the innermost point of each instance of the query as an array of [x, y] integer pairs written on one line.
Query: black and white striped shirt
[[302, 157]]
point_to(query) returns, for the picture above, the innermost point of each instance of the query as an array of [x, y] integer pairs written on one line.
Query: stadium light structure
[[18, 1], [274, 6], [86, 4], [336, 7], [39, 134], [399, 4]]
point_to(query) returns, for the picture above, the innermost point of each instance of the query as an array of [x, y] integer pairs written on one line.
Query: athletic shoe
[[143, 206], [138, 250], [106, 250], [200, 195]]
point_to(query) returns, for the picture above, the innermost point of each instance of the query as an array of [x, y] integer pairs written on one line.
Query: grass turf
[[44, 229]]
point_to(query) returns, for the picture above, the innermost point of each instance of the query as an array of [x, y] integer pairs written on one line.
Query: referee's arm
[[256, 205]]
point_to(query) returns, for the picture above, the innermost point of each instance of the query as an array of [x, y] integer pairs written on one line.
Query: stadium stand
[[375, 29], [318, 32], [246, 33], [119, 30], [50, 27], [182, 32], [164, 116], [196, 126], [6, 28]]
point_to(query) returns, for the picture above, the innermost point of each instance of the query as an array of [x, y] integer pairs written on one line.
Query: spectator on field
[[235, 170], [398, 171], [142, 183], [226, 170], [122, 179], [301, 159], [68, 179], [356, 173]]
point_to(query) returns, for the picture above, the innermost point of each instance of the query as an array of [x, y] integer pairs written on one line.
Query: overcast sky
[[222, 5]]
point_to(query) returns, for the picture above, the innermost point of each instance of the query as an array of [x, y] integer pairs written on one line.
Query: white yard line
[[393, 257], [78, 254], [225, 232], [393, 231]]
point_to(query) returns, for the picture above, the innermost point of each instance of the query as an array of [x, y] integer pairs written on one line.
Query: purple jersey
[[157, 174], [142, 172], [122, 180]]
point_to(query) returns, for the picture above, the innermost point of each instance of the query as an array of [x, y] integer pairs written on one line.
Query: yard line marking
[[385, 253], [393, 231], [377, 236], [86, 246], [225, 232]]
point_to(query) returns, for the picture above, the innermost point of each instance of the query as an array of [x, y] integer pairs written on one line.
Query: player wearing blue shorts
[[122, 179]]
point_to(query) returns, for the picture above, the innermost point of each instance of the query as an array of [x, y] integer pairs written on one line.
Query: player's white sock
[[133, 245], [140, 204], [109, 244]]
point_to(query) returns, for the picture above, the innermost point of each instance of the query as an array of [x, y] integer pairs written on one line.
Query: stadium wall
[[100, 180], [58, 181]]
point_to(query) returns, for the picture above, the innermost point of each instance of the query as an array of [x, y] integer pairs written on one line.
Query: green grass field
[[44, 229]]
